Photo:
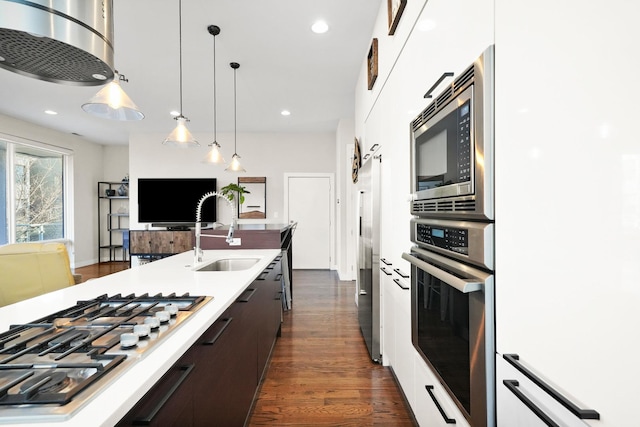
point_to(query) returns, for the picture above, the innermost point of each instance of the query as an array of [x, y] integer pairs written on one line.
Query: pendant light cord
[[180, 38], [215, 92], [235, 113]]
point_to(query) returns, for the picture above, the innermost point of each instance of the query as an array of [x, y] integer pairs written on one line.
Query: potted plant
[[230, 189]]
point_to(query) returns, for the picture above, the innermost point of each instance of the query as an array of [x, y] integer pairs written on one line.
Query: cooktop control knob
[[128, 340], [163, 316], [153, 322], [172, 309]]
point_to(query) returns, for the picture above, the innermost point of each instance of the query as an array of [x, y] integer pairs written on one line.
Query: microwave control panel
[[448, 238]]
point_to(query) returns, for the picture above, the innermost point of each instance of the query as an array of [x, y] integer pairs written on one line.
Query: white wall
[[345, 256], [262, 154], [88, 170]]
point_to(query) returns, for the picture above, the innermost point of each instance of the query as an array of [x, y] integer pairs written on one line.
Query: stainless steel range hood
[[60, 41]]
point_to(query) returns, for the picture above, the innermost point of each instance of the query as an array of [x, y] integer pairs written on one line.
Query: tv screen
[[172, 202]]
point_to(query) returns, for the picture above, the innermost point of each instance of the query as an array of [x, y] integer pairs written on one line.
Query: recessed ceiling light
[[320, 27], [50, 112], [175, 113], [285, 112]]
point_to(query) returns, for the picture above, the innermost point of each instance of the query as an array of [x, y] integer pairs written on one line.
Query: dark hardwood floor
[[320, 373], [102, 269]]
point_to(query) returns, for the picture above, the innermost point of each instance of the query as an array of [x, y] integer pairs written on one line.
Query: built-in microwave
[[452, 148]]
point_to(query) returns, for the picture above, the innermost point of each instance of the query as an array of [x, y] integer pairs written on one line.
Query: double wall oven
[[452, 229]]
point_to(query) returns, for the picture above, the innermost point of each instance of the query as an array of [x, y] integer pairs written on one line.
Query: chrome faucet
[[232, 226]]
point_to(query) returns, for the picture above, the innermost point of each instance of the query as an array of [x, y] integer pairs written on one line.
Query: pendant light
[[214, 155], [111, 102], [181, 137], [235, 159]]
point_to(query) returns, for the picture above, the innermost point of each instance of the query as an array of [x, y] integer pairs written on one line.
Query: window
[[32, 198]]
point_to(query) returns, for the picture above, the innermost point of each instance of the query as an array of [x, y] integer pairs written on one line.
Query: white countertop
[[169, 275]]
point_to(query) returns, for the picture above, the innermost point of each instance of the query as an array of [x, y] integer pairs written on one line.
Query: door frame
[[332, 207]]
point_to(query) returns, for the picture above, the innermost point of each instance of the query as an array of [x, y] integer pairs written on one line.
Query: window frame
[[12, 144]]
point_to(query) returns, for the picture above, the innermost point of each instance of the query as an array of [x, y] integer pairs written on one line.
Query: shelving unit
[[112, 224]]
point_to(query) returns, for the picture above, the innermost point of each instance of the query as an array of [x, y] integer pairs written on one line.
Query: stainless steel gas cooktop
[[51, 367]]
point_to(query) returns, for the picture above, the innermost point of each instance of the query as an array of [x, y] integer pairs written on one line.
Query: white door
[[309, 204]]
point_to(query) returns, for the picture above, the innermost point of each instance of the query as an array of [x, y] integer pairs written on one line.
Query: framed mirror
[[255, 199]]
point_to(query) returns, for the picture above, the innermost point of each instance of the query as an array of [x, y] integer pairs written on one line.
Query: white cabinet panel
[[388, 317], [426, 409], [568, 197], [512, 411], [405, 352]]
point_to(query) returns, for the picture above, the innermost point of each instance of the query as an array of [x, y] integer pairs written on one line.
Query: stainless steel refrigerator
[[368, 279]]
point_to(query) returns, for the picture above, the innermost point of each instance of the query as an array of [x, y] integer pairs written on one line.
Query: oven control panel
[[449, 238], [468, 241]]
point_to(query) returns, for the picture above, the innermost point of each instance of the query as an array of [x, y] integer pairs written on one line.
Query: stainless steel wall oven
[[451, 148], [452, 264], [452, 306]]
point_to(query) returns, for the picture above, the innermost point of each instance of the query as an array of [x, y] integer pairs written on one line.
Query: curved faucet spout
[[232, 226]]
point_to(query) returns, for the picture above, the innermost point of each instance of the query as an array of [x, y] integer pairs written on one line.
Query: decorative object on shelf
[[181, 137], [256, 202], [229, 190], [394, 11], [214, 155], [123, 190], [111, 102], [235, 165], [372, 64], [355, 166], [110, 193]]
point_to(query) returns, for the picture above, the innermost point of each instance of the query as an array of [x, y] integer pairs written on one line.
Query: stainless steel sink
[[229, 264]]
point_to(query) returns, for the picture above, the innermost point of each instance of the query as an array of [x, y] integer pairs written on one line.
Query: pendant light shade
[[111, 102], [214, 156], [181, 137], [235, 165]]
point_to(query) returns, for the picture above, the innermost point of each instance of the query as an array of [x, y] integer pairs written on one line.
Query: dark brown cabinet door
[[269, 311], [169, 402]]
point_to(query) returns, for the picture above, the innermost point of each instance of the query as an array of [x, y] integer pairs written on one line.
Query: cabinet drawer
[[433, 406], [520, 402]]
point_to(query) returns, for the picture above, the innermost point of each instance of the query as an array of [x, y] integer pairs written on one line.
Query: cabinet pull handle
[[271, 266], [583, 414], [433, 397], [263, 275], [435, 85], [400, 284], [253, 291], [213, 340], [513, 386], [401, 274], [385, 271], [385, 262], [145, 421], [279, 276]]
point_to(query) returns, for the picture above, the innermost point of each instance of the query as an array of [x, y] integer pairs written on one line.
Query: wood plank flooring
[[320, 372], [98, 270]]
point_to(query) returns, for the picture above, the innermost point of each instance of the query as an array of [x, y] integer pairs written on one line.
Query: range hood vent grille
[[61, 42]]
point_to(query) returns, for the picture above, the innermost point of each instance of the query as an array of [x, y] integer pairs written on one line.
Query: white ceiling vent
[[60, 41]]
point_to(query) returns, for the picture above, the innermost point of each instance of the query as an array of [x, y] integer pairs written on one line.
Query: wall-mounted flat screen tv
[[172, 202]]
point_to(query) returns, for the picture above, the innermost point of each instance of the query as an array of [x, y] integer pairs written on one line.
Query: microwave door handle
[[464, 286]]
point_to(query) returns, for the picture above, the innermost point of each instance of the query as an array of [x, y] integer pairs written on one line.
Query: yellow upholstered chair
[[31, 269]]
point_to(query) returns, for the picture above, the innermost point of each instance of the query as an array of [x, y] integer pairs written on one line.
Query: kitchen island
[[170, 275]]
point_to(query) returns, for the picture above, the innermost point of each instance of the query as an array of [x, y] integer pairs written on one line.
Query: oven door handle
[[464, 286]]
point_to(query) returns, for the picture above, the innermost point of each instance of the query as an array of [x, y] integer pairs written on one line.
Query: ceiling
[[283, 65]]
